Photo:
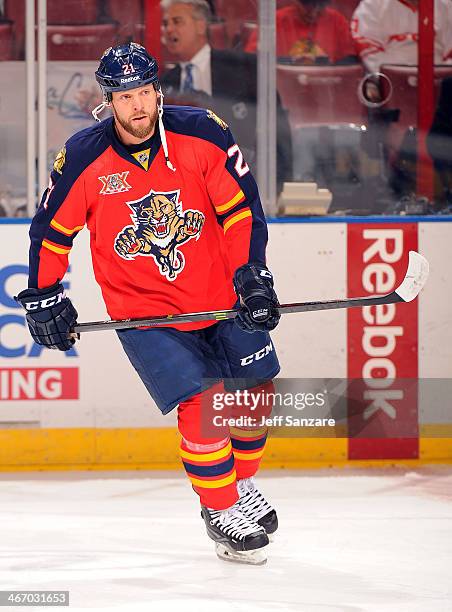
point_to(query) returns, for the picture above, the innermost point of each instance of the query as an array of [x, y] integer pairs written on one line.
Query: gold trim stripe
[[236, 218], [249, 456], [214, 484], [65, 230], [235, 200], [247, 433], [55, 249], [223, 452]]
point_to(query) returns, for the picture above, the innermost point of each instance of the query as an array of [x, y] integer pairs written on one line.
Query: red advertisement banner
[[39, 383], [382, 345]]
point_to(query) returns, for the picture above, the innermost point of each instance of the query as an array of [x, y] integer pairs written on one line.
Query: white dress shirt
[[202, 76]]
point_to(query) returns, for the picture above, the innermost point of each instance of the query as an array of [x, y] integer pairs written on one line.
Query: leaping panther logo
[[160, 227]]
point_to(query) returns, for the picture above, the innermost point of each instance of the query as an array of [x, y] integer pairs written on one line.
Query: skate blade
[[271, 537], [250, 557]]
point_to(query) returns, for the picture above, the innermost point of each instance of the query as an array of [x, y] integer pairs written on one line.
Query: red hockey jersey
[[328, 37], [162, 241]]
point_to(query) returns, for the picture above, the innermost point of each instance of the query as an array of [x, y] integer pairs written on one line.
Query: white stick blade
[[415, 277]]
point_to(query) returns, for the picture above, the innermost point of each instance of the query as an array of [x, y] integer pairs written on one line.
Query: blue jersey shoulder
[[90, 135], [198, 122], [76, 155], [82, 149]]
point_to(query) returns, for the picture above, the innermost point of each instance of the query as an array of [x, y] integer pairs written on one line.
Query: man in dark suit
[[223, 80]]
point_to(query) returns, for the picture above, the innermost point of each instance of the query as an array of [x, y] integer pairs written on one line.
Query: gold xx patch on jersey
[[114, 183]]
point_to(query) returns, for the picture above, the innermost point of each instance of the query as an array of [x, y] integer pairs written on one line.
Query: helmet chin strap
[[162, 130], [106, 102], [100, 108]]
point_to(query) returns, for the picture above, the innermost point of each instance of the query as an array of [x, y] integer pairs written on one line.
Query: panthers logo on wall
[[160, 227]]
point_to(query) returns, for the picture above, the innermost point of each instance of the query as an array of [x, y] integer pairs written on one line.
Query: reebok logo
[[132, 78], [382, 346]]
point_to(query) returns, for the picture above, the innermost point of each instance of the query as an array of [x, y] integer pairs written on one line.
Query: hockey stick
[[415, 278]]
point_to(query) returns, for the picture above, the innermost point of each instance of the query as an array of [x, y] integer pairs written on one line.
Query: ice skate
[[255, 507], [236, 537]]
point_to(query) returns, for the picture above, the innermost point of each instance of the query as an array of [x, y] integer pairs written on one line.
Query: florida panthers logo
[[160, 227]]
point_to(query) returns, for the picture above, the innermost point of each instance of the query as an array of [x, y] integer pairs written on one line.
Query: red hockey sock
[[248, 446], [209, 462], [249, 443]]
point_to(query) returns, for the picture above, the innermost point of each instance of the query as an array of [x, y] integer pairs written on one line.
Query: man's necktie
[[188, 81]]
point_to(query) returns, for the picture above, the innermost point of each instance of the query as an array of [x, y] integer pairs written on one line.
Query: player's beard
[[140, 131]]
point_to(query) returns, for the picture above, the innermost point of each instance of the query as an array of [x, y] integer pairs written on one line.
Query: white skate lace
[[233, 523], [252, 503]]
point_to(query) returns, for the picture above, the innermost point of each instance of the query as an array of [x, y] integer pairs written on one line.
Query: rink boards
[[88, 409]]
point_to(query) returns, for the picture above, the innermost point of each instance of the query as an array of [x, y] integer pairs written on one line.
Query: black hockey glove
[[253, 284], [50, 316]]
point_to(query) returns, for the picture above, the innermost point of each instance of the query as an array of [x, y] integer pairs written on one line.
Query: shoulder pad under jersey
[[198, 122]]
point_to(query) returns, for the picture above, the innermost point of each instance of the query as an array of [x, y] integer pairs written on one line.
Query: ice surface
[[352, 541]]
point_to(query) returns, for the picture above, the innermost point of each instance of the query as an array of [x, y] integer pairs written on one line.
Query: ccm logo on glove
[[262, 313], [46, 303], [253, 284], [50, 316], [266, 274]]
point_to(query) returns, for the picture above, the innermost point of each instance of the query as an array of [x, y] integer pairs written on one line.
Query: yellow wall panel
[[158, 448]]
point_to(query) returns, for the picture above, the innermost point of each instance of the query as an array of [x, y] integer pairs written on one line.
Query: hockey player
[[176, 226]]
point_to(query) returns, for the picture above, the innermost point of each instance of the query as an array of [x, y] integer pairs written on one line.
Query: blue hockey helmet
[[126, 67]]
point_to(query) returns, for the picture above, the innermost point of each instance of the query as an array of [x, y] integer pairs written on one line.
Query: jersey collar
[[154, 143]]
